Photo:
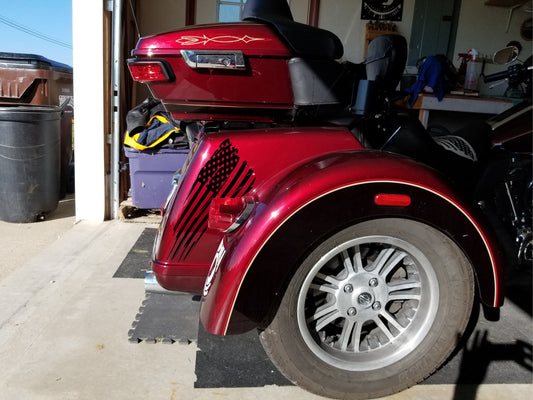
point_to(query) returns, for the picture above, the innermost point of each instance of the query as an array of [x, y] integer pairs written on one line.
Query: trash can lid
[[29, 113], [31, 61]]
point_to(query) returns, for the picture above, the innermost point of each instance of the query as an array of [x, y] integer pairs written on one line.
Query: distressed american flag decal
[[223, 175]]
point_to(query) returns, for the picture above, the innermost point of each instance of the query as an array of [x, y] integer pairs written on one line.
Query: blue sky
[[51, 19]]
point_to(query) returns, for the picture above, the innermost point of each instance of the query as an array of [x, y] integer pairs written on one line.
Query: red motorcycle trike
[[313, 210]]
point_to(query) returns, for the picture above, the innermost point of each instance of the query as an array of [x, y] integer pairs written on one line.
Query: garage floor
[[75, 323]]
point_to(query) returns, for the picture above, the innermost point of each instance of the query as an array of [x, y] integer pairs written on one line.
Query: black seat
[[304, 40]]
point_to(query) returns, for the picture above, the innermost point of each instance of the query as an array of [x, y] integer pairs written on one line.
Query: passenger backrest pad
[[385, 60], [304, 40]]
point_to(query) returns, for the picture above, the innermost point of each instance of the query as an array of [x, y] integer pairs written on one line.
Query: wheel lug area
[[351, 311], [365, 299], [361, 296]]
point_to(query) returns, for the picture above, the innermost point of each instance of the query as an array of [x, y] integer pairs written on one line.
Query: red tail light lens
[[150, 71], [228, 213], [398, 200]]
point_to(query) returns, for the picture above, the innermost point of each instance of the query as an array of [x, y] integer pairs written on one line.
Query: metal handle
[[214, 59]]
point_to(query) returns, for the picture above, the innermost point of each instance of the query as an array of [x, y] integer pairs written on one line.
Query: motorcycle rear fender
[[253, 265], [229, 164]]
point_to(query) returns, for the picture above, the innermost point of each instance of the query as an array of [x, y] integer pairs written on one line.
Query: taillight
[[228, 213], [150, 71]]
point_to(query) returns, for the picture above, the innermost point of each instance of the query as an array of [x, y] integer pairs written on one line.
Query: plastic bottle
[[472, 74]]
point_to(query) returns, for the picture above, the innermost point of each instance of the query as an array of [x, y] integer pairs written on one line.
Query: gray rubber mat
[[166, 318], [234, 361]]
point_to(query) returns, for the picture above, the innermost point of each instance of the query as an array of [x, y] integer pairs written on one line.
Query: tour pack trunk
[[217, 72]]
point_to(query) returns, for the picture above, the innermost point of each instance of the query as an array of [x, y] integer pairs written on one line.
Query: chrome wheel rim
[[367, 303]]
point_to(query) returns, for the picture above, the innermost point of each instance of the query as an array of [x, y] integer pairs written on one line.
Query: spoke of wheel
[[323, 288], [321, 311], [351, 266], [346, 261], [346, 334], [357, 260], [382, 258], [403, 285], [384, 328], [403, 296], [329, 279], [391, 262], [392, 320], [322, 322], [356, 336]]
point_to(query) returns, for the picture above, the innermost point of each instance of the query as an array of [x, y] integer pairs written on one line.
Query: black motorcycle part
[[385, 60], [305, 40]]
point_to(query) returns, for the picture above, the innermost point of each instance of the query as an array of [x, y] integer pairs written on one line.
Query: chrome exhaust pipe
[[152, 286]]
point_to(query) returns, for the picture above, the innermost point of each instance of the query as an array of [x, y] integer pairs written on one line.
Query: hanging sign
[[389, 10]]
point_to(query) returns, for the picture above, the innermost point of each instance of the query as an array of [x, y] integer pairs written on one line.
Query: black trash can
[[29, 162], [31, 79]]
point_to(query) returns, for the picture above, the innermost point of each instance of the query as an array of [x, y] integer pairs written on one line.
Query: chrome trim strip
[[497, 124], [232, 60], [250, 204]]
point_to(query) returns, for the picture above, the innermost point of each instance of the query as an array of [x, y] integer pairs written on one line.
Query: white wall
[[343, 17], [300, 10], [160, 16], [206, 11], [485, 29], [88, 64]]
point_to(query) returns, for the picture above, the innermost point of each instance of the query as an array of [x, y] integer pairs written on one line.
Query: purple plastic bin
[[151, 173]]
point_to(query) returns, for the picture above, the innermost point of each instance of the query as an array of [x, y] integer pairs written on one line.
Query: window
[[230, 10]]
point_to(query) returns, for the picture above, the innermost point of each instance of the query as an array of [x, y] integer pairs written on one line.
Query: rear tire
[[373, 310]]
